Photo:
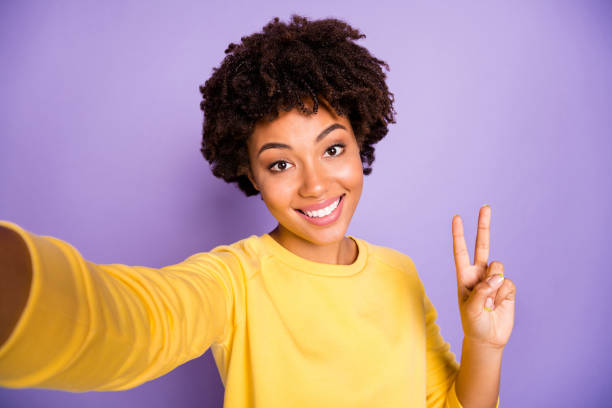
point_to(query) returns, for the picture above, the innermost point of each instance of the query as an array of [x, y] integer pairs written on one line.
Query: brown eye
[[279, 166], [335, 150]]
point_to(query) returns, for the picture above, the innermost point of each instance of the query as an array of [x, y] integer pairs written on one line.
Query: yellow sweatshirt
[[284, 331]]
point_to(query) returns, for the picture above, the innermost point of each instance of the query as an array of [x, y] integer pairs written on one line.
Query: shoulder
[[245, 254], [390, 257], [395, 263]]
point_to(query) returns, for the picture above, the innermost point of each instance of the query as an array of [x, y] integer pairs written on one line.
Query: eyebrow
[[324, 133]]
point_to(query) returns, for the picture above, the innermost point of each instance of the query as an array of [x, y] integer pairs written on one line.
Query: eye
[[335, 150], [279, 166]]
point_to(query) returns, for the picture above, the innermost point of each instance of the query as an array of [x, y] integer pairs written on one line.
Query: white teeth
[[323, 211]]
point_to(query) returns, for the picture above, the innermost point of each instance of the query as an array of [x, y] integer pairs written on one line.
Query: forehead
[[296, 125]]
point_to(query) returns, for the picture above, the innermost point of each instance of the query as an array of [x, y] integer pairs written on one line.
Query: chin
[[315, 234], [325, 237]]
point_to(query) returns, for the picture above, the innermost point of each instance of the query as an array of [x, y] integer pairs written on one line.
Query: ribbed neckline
[[316, 268]]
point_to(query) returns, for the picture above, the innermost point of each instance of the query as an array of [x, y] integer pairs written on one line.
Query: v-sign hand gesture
[[486, 299]]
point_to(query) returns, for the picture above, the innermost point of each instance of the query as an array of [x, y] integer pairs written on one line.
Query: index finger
[[462, 257]]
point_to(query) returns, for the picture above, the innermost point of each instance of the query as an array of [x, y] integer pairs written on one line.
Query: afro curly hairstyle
[[278, 69]]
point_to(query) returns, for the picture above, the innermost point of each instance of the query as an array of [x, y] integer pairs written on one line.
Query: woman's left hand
[[487, 309]]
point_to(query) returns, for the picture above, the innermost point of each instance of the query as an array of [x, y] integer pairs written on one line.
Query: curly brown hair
[[278, 69]]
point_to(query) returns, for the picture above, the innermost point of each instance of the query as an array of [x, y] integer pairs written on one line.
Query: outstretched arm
[[82, 326]]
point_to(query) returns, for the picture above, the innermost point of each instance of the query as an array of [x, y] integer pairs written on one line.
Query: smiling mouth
[[323, 212]]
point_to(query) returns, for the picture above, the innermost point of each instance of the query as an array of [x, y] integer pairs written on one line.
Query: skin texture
[[312, 172]]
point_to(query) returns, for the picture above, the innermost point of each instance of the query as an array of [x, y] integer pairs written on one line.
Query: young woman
[[303, 316]]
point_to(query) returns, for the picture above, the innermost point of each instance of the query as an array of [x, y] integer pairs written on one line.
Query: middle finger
[[481, 252]]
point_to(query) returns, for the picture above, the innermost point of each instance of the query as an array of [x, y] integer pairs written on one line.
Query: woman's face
[[309, 173]]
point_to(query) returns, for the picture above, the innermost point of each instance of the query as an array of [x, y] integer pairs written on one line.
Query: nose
[[314, 181]]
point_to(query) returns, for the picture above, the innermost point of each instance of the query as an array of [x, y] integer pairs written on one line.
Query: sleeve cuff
[[23, 353]]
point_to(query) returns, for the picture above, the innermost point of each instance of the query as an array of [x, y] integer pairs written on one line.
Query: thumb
[[481, 292]]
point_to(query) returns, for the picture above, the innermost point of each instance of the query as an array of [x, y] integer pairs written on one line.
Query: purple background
[[498, 103]]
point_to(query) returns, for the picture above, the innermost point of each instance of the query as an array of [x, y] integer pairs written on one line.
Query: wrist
[[483, 346], [477, 381]]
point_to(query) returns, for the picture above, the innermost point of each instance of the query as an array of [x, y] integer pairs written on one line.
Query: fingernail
[[487, 205], [489, 304], [495, 280]]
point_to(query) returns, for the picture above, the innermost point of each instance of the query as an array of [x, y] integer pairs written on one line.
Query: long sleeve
[[113, 327], [442, 366]]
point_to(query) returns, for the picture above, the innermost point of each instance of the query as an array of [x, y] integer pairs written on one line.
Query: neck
[[343, 252]]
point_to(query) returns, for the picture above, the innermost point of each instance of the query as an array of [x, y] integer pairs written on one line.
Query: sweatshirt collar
[[316, 268]]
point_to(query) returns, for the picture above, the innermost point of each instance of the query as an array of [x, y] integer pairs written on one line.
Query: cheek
[[352, 173], [276, 191]]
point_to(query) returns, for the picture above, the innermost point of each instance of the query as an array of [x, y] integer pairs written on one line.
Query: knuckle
[[483, 245], [461, 251], [482, 287]]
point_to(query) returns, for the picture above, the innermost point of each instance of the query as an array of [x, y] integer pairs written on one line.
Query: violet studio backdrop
[[500, 103]]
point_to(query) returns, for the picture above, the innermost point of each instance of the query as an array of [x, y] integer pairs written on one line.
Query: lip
[[328, 219], [321, 205]]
